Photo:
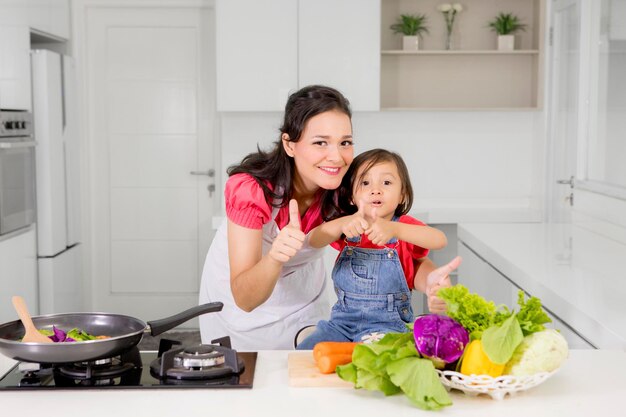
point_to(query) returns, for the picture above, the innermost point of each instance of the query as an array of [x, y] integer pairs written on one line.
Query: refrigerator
[[61, 287]]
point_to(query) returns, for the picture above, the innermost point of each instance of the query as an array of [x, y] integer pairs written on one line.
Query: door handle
[[570, 182], [208, 173]]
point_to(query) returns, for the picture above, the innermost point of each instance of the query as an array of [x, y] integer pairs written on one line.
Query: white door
[[150, 75], [564, 114]]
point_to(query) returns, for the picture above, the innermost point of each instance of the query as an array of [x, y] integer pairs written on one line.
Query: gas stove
[[173, 366]]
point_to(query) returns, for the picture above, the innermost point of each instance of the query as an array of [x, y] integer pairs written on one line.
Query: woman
[[259, 264]]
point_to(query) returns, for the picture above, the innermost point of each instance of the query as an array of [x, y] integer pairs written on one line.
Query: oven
[[17, 170]]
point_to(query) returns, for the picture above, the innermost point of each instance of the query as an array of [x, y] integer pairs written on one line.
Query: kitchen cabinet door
[[257, 54], [574, 340], [269, 48], [481, 278], [338, 49], [15, 68]]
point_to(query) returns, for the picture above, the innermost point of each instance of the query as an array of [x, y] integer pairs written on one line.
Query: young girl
[[380, 246]]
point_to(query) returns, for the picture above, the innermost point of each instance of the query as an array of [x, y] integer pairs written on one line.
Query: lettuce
[[531, 316], [499, 342], [500, 329], [393, 365], [472, 311]]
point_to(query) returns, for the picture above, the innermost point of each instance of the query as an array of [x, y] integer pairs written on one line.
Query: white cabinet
[[573, 339], [18, 272], [51, 17], [482, 278], [257, 53], [338, 45], [267, 49], [58, 22], [15, 68]]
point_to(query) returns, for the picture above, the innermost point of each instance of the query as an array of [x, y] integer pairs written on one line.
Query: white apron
[[296, 301]]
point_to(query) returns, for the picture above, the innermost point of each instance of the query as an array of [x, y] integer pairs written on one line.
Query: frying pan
[[125, 332]]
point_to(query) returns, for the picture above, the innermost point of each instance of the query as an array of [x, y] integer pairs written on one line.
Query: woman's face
[[323, 153]]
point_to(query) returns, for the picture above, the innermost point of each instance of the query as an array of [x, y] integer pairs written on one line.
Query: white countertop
[[590, 383], [578, 275]]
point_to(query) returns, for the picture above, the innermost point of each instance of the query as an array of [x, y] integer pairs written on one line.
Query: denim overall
[[372, 294]]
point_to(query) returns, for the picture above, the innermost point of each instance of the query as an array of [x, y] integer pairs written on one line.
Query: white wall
[[457, 160]]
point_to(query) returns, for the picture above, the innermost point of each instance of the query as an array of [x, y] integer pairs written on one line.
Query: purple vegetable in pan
[[60, 336], [439, 338]]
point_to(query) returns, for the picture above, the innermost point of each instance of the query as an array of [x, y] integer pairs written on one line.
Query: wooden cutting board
[[304, 373]]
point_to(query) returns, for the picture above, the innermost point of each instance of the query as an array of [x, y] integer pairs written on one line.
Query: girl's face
[[323, 153], [379, 191]]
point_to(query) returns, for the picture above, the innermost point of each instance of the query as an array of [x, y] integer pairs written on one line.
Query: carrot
[[328, 363], [329, 348]]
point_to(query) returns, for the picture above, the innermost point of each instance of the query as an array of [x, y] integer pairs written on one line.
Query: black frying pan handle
[[159, 326]]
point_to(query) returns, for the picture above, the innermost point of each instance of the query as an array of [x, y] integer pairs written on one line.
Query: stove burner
[[100, 371], [201, 362], [87, 370], [199, 357]]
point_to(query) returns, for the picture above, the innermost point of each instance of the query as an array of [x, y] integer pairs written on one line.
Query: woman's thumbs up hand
[[290, 239]]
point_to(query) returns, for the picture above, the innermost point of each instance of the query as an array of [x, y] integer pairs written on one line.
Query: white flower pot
[[506, 42], [410, 43]]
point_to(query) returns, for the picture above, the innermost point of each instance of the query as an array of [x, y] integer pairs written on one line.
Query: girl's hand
[[355, 225], [381, 230], [439, 278], [290, 239]]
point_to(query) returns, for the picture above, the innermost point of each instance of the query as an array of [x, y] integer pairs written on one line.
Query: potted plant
[[412, 27], [505, 25]]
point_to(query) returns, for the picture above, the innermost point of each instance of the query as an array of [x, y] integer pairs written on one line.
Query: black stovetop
[[133, 371]]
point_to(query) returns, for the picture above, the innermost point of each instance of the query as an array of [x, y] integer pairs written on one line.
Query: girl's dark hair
[[367, 160], [276, 167]]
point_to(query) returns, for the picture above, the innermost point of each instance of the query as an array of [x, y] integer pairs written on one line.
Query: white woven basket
[[496, 388]]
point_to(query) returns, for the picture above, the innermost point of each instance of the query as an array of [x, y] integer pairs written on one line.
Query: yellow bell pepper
[[476, 361]]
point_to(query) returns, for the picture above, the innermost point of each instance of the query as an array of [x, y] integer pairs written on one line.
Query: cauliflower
[[542, 351]]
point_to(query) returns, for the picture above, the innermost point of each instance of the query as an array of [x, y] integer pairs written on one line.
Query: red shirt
[[246, 206], [408, 253]]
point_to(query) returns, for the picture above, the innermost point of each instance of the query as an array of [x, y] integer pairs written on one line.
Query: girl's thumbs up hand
[[380, 230], [290, 239], [355, 225]]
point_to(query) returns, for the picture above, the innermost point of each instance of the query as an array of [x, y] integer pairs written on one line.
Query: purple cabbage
[[60, 336], [439, 338]]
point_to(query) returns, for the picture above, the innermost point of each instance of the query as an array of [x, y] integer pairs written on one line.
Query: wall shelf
[[472, 76]]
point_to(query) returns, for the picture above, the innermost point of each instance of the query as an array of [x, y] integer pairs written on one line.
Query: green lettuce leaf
[[393, 365], [471, 310], [372, 382], [499, 342], [531, 316], [347, 372], [419, 381]]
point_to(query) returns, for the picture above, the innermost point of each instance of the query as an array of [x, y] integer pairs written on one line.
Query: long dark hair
[[367, 160], [275, 167]]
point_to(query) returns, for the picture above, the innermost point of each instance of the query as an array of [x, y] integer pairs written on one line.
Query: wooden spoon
[[32, 334]]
